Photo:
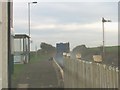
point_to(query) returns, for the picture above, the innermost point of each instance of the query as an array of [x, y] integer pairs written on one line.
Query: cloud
[[68, 12], [92, 39], [76, 26], [78, 23], [67, 0]]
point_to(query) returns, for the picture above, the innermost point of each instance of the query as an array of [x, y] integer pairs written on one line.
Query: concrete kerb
[[61, 72]]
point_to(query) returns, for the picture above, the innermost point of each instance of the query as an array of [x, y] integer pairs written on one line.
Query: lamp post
[[103, 21], [29, 16], [29, 23]]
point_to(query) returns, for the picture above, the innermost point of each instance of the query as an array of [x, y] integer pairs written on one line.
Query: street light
[[29, 15], [103, 21], [34, 2], [29, 23]]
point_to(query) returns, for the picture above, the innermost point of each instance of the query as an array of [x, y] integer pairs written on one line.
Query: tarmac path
[[38, 75]]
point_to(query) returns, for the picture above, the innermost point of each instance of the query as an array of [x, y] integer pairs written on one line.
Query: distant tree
[[81, 49], [47, 48]]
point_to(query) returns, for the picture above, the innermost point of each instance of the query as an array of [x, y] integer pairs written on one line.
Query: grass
[[110, 49], [17, 70], [36, 58]]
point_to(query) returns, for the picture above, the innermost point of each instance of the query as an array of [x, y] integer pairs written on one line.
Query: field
[[111, 54]]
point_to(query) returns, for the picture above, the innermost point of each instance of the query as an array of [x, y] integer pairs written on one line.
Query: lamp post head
[[109, 21], [34, 2], [103, 20]]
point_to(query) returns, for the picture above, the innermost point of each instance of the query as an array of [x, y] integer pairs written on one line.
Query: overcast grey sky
[[74, 22]]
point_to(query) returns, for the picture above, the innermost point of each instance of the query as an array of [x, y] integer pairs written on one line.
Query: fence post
[[91, 70], [100, 76], [111, 82], [76, 73], [117, 79], [69, 74], [80, 72]]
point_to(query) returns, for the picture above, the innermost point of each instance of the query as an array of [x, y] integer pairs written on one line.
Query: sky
[[71, 21]]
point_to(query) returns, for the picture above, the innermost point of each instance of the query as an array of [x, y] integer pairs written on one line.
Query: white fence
[[83, 74]]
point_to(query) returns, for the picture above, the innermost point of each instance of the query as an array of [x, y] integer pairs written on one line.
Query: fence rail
[[83, 74]]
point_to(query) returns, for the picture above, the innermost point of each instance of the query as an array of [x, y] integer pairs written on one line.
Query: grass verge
[[36, 58], [17, 70]]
